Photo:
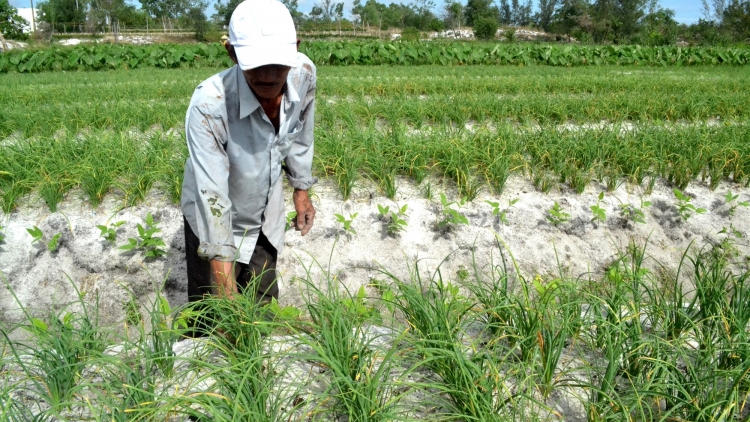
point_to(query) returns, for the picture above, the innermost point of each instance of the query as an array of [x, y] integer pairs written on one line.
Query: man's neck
[[271, 107]]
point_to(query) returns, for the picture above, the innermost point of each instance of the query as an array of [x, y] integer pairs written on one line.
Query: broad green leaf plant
[[684, 206], [110, 233], [393, 219], [152, 246], [37, 235], [452, 217], [502, 214], [556, 215], [346, 223]]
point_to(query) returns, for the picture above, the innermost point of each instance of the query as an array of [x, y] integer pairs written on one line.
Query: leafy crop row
[[108, 57], [100, 162], [42, 105], [103, 57], [462, 53]]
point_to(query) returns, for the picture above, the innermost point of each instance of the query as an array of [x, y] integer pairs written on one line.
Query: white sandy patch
[[43, 280]]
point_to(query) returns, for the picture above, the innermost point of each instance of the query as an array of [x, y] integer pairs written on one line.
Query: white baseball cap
[[262, 33]]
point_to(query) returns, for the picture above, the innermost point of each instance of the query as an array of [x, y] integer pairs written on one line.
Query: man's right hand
[[223, 283], [305, 211]]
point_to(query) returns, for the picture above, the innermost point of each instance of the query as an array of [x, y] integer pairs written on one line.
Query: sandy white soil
[[44, 280]]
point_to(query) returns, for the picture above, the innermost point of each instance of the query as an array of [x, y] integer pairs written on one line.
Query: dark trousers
[[260, 272]]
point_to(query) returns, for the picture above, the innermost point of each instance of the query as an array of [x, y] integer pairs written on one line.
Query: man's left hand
[[305, 211]]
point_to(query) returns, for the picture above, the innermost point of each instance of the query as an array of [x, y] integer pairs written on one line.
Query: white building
[[30, 15]]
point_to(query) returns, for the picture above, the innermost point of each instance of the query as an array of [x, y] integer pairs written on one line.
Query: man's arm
[[206, 135], [223, 283], [299, 160]]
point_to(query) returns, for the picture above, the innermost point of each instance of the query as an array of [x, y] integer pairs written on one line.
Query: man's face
[[267, 81]]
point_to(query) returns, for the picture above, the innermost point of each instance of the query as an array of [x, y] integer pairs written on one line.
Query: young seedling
[[727, 247], [631, 212], [427, 191], [36, 234], [387, 296], [110, 233], [393, 219], [599, 215], [731, 231], [54, 243], [290, 216], [359, 310], [287, 314], [452, 217], [730, 199], [557, 216], [684, 207], [146, 241], [2, 236], [502, 214], [347, 223]]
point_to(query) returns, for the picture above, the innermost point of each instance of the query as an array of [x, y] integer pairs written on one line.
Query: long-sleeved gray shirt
[[232, 186]]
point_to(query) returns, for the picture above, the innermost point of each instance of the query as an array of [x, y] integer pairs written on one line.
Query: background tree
[[571, 18], [453, 12], [111, 15], [168, 11], [224, 11], [11, 23], [505, 12], [338, 12], [631, 13], [485, 28], [370, 13], [197, 19], [421, 15], [660, 28], [325, 11], [293, 7], [543, 18], [617, 20], [62, 15], [736, 19], [520, 12], [475, 9], [714, 9]]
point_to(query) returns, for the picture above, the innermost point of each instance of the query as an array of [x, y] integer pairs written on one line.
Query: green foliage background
[[108, 57], [11, 24]]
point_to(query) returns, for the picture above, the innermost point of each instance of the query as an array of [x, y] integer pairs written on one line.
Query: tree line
[[92, 16], [588, 21]]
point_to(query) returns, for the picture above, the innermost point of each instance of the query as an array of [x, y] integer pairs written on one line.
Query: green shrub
[[485, 28], [410, 34], [436, 25]]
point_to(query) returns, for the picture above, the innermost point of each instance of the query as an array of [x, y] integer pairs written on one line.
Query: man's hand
[[223, 283], [305, 211]]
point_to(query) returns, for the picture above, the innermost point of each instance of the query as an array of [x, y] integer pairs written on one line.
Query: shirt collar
[[248, 102]]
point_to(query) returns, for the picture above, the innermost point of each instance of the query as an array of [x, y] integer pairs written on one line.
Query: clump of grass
[[437, 312], [245, 375], [359, 370], [638, 342], [59, 348]]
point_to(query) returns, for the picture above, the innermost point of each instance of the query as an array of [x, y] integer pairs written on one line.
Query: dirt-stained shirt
[[233, 186]]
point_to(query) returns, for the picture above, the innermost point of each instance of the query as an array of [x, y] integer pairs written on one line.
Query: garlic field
[[492, 243]]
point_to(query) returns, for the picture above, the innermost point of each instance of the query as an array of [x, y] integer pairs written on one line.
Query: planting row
[[485, 344], [44, 104], [99, 162], [107, 57], [395, 220]]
